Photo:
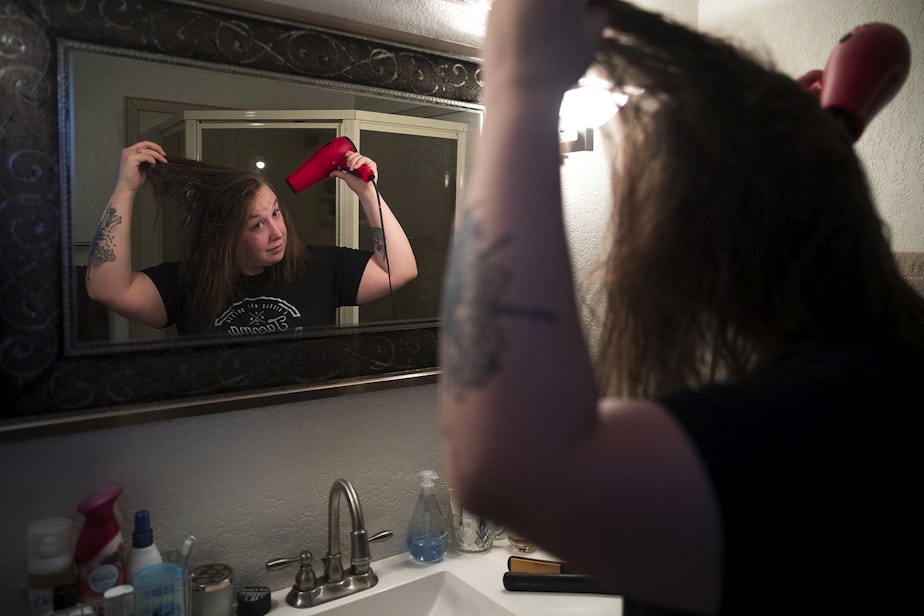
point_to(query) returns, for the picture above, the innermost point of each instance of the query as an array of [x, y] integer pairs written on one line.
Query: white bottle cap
[[50, 545], [119, 601]]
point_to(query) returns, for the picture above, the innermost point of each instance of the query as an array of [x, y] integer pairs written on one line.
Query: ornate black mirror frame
[[48, 387]]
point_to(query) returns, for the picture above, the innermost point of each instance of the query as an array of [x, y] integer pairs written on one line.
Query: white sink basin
[[437, 594], [459, 585]]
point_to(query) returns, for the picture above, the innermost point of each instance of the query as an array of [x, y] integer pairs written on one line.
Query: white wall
[[252, 485], [454, 26]]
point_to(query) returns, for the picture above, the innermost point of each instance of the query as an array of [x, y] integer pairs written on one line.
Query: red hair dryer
[[328, 158], [863, 73]]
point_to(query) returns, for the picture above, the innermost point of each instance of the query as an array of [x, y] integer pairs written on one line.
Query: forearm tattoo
[[378, 242], [102, 249], [471, 338]]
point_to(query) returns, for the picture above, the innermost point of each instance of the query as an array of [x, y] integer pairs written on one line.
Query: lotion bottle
[[427, 537], [144, 553], [100, 551]]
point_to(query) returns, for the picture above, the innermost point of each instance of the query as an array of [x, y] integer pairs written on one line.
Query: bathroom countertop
[[482, 571]]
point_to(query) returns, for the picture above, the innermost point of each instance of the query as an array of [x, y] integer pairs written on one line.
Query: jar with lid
[[212, 590]]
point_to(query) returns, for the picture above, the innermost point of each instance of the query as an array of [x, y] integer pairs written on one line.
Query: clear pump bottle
[[427, 537]]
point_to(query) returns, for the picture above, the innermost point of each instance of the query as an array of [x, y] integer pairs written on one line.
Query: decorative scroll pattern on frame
[[188, 31]]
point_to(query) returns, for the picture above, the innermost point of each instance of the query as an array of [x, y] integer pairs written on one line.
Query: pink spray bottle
[[100, 551]]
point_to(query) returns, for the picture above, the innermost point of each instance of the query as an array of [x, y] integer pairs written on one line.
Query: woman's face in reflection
[[263, 240]]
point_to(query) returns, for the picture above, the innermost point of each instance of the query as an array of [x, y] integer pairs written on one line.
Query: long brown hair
[[743, 227], [209, 206]]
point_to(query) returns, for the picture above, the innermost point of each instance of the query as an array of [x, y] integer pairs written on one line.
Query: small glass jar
[[212, 590], [518, 542]]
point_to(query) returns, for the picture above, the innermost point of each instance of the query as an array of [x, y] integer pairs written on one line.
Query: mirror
[[55, 380], [243, 120]]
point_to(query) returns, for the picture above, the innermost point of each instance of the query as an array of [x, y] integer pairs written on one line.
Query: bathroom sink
[[459, 585], [437, 594]]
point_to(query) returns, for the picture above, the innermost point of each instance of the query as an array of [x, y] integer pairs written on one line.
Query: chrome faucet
[[308, 591]]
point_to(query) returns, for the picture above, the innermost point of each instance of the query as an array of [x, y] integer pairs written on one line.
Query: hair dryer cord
[[391, 297]]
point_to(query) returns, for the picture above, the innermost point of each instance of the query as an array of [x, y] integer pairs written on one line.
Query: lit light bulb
[[588, 105]]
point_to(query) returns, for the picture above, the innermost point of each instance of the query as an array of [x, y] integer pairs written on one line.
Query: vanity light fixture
[[572, 140], [585, 107]]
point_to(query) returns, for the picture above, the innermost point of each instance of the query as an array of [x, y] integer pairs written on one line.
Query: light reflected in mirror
[[242, 118]]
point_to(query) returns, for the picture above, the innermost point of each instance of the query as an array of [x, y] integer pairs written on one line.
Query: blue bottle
[[427, 537]]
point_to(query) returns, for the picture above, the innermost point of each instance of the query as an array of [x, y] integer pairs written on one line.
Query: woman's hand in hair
[[543, 49], [131, 177]]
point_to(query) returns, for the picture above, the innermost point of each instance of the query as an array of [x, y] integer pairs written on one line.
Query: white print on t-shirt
[[257, 315]]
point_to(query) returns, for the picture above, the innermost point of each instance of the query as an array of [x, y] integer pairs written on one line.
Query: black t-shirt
[[331, 279], [816, 473]]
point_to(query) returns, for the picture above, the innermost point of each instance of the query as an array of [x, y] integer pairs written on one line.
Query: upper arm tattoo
[[102, 249], [471, 338]]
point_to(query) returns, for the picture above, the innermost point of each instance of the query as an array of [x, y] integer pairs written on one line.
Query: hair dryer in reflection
[[863, 73], [328, 158]]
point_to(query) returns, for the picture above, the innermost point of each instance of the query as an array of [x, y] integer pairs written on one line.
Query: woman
[[243, 269], [741, 443]]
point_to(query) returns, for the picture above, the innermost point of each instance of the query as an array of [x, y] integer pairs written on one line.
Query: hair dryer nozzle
[[328, 158]]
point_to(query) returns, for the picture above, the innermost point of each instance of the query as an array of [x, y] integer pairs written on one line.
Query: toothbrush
[[186, 552]]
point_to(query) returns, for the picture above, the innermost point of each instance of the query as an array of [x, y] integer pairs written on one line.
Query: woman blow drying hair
[[741, 443], [243, 270]]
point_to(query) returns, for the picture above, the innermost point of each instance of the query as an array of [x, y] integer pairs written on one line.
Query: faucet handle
[[382, 535], [305, 579], [281, 563]]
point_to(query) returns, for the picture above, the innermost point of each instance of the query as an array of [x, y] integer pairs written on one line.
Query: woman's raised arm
[[110, 278]]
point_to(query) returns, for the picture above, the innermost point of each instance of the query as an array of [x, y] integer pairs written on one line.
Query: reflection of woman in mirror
[[744, 441], [243, 270]]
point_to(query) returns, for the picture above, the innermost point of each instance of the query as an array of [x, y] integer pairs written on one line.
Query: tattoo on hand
[[471, 337], [102, 249]]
